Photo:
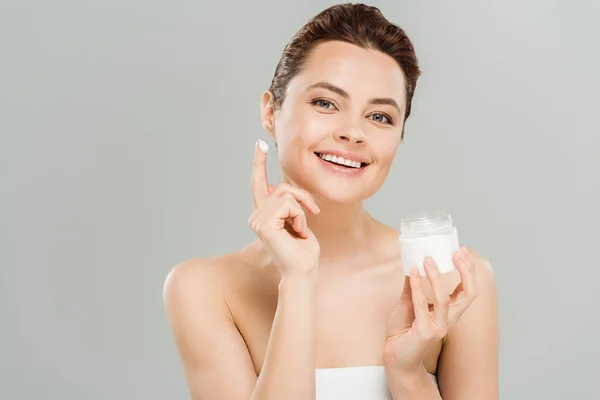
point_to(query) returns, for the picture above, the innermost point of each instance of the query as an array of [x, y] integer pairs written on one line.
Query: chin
[[339, 198]]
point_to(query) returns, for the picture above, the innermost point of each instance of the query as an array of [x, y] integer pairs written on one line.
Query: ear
[[267, 112]]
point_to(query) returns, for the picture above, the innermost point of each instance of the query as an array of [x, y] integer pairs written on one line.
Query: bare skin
[[355, 299], [223, 309], [354, 303]]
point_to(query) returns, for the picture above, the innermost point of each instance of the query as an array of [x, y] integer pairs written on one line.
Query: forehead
[[363, 73]]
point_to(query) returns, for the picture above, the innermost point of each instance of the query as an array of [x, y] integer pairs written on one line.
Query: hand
[[413, 327], [280, 222]]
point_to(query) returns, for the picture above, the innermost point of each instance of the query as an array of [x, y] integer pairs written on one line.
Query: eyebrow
[[378, 100]]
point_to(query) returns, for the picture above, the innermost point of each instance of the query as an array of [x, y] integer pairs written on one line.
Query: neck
[[342, 230]]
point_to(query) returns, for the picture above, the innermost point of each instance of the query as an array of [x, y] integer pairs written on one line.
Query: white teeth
[[340, 160]]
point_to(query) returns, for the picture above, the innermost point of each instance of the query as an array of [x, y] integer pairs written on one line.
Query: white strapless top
[[353, 383]]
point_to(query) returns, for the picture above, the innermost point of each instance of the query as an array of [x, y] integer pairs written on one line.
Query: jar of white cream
[[426, 234]]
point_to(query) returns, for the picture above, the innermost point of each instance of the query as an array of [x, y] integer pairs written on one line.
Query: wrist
[[298, 283], [299, 275], [392, 365], [405, 374]]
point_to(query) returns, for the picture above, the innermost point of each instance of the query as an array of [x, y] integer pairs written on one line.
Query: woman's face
[[348, 102]]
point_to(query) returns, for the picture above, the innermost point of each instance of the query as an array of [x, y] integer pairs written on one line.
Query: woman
[[318, 307]]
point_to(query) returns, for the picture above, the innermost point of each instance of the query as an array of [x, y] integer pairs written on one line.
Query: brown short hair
[[357, 24]]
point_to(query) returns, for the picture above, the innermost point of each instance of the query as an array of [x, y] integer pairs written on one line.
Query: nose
[[351, 135]]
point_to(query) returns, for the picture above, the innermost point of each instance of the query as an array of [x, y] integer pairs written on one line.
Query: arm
[[216, 361], [468, 366], [289, 368]]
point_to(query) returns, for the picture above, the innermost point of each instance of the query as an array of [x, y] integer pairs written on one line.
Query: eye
[[323, 104], [382, 118]]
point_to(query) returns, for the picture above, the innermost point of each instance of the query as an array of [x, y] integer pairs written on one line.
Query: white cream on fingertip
[[263, 146]]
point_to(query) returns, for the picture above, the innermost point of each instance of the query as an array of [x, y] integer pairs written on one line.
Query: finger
[[406, 302], [466, 291], [290, 210], [418, 297], [298, 220], [299, 225], [406, 290], [271, 189], [300, 195], [466, 267], [260, 185], [440, 298]]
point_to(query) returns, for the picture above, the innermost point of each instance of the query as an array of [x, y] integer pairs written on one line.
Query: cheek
[[390, 152], [387, 153], [301, 129]]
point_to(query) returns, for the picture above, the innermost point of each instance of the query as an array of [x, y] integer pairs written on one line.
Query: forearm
[[416, 385], [288, 371]]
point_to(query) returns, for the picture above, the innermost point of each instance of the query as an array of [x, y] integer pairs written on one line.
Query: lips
[[341, 166], [348, 163], [345, 158]]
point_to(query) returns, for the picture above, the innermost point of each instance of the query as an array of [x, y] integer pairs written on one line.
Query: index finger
[[260, 186], [406, 289]]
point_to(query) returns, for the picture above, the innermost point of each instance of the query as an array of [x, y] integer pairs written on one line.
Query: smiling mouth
[[341, 161]]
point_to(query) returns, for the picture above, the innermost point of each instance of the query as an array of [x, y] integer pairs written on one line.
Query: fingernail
[[461, 255], [263, 146], [429, 262]]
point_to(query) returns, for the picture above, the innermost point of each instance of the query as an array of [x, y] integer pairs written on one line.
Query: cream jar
[[426, 234]]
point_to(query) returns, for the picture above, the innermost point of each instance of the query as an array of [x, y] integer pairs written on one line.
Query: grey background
[[127, 137]]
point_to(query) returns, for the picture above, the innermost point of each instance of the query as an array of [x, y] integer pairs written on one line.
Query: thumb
[[271, 189]]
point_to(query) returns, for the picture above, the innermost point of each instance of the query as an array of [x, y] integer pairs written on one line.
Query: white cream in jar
[[432, 234]]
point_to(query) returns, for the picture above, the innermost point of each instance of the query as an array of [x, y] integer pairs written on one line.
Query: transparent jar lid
[[426, 223]]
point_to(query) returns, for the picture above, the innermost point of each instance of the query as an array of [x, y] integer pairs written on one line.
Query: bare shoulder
[[209, 344], [197, 277], [213, 276], [196, 287]]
